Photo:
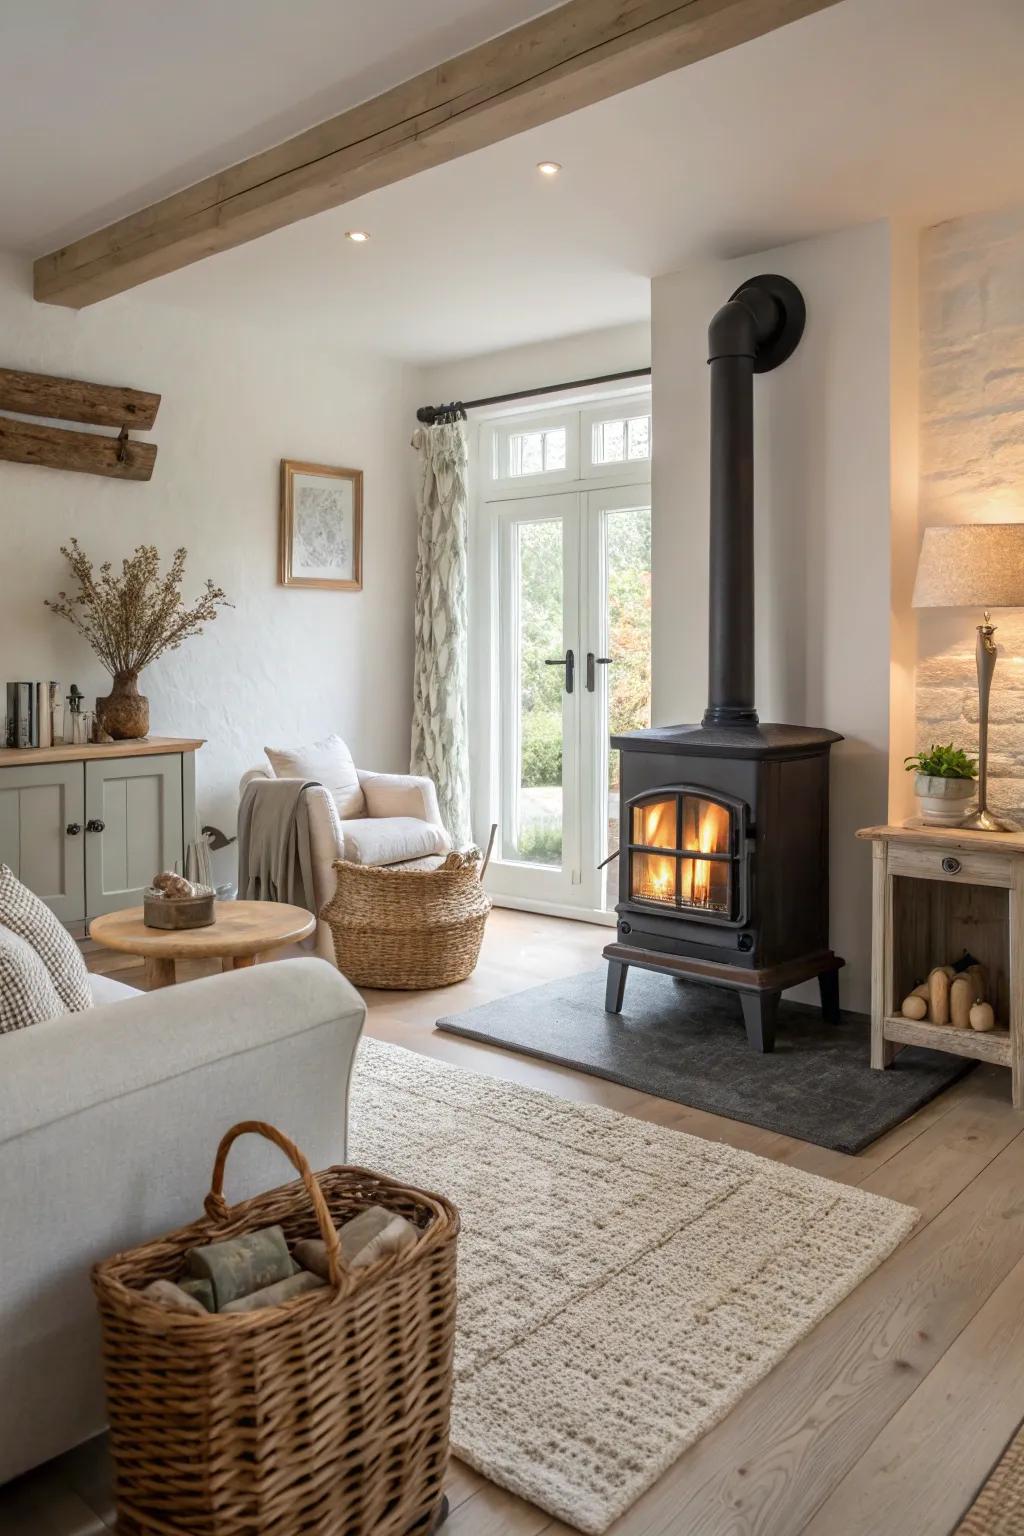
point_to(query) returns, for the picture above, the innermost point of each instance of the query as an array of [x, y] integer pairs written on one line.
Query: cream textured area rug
[[621, 1286]]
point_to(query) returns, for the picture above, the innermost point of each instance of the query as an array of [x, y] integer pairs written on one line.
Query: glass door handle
[[592, 662], [568, 661]]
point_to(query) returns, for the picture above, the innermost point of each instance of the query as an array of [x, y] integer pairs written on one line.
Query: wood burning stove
[[723, 865]]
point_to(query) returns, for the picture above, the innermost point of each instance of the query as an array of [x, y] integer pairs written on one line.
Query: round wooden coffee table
[[242, 930]]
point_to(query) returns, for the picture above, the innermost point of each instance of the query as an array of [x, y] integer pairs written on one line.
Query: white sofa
[[109, 1122], [402, 825]]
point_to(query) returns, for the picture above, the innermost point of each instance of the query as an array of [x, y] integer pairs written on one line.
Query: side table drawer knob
[[951, 866]]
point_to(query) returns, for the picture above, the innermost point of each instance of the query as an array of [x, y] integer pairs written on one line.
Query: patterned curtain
[[440, 738]]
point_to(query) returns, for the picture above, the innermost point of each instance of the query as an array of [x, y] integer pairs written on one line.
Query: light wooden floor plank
[[493, 1512], [925, 1469], [461, 1483]]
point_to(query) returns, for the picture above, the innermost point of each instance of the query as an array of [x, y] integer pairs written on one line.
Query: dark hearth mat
[[685, 1041]]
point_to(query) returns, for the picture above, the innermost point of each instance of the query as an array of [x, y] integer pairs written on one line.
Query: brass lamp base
[[984, 821]]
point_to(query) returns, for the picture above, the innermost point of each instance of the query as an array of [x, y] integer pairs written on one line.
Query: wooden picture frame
[[321, 526]]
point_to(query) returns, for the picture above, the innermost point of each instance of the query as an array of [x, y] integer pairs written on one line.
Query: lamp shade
[[971, 565]]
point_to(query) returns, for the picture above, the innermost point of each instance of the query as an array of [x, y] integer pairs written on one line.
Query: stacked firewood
[[258, 1269], [953, 994]]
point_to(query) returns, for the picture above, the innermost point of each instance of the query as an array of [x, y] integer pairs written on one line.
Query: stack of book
[[35, 715]]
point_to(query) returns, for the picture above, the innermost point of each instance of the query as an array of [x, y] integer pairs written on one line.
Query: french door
[[572, 583]]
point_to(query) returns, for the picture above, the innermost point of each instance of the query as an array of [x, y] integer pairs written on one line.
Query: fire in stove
[[686, 826]]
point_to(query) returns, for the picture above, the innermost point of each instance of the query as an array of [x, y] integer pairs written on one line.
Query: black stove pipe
[[754, 332]]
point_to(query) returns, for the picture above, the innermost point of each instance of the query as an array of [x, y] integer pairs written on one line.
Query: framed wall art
[[321, 526]]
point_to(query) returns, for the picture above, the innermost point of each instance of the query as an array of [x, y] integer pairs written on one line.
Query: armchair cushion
[[391, 839], [330, 763], [401, 794]]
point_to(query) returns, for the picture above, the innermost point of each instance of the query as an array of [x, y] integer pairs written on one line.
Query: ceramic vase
[[124, 711]]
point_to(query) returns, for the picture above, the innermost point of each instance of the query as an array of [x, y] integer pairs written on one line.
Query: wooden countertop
[[149, 746], [946, 837]]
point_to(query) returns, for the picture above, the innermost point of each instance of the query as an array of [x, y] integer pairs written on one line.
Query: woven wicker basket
[[327, 1416], [408, 928]]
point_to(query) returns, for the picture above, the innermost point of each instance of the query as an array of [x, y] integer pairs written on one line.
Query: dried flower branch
[[131, 619]]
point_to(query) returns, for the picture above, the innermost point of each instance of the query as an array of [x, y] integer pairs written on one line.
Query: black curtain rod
[[456, 409]]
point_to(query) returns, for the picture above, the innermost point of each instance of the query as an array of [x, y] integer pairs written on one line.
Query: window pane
[[554, 449], [526, 453], [537, 832], [639, 437], [609, 442]]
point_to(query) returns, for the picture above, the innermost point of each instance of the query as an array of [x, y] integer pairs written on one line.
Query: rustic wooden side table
[[936, 892], [241, 931]]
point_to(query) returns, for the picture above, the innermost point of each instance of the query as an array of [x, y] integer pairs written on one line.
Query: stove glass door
[[681, 853]]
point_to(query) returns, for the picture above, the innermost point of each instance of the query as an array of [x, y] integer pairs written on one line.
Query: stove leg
[[759, 1010], [828, 983], [615, 986]]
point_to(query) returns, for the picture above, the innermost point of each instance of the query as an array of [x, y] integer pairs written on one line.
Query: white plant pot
[[943, 802]]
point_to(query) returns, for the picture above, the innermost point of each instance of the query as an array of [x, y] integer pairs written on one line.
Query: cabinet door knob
[[73, 828], [95, 825], [951, 866]]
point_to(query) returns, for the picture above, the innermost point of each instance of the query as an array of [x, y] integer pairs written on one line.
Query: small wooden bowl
[[178, 912]]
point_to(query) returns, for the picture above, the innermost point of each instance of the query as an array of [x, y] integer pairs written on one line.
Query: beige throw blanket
[[275, 861]]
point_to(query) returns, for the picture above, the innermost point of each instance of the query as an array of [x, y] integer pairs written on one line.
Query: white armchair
[[354, 814]]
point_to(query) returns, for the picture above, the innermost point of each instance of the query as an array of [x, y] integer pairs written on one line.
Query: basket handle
[[218, 1209]]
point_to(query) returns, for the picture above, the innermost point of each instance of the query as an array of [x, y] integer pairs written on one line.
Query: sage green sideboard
[[88, 827]]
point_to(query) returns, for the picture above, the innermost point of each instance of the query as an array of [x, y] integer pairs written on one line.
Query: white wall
[[584, 356], [823, 495], [284, 665], [972, 461]]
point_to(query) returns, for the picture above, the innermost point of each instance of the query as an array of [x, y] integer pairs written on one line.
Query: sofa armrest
[[400, 794], [69, 1066]]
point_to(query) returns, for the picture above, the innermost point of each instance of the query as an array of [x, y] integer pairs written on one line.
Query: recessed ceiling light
[[548, 167], [360, 236]]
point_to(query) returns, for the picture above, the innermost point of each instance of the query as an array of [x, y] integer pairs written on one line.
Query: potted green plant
[[944, 782]]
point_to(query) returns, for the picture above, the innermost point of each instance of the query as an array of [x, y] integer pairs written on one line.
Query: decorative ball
[[983, 1017], [171, 884]]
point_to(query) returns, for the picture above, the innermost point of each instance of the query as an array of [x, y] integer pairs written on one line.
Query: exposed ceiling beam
[[566, 59]]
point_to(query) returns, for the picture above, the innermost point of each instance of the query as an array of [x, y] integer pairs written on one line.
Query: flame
[[661, 876], [656, 826], [705, 830], [712, 837]]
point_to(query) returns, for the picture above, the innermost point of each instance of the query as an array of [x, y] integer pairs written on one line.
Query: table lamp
[[975, 565]]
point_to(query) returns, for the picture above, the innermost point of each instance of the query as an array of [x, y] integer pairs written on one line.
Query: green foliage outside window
[[629, 638]]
